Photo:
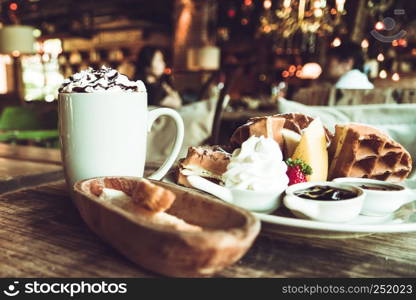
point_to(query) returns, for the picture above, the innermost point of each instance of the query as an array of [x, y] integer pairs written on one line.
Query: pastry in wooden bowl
[[166, 228]]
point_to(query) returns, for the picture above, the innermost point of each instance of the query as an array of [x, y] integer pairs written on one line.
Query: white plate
[[403, 220], [282, 221]]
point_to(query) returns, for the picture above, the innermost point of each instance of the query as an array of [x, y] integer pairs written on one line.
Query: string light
[[380, 57], [310, 70], [402, 43], [248, 2], [340, 5], [379, 26], [307, 16], [395, 43], [231, 13], [383, 74], [318, 13], [365, 44], [13, 6], [267, 29], [395, 77], [267, 4], [286, 3], [336, 42], [244, 21], [37, 33]]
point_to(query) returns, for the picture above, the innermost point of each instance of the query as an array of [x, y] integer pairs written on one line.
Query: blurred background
[[245, 54]]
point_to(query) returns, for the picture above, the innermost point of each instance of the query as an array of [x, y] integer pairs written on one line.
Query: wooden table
[[22, 166], [42, 235]]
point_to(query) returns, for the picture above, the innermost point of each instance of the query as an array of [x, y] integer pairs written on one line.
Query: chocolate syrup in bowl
[[326, 193]]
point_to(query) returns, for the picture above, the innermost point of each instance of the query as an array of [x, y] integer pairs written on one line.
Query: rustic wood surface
[[31, 153], [15, 174], [42, 235], [24, 166]]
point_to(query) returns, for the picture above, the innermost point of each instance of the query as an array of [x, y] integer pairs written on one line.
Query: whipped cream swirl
[[101, 80], [258, 165]]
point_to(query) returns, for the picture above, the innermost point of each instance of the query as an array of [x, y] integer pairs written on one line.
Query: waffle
[[365, 152], [297, 122], [271, 126], [206, 161]]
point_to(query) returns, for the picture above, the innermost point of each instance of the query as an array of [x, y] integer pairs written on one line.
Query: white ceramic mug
[[105, 134]]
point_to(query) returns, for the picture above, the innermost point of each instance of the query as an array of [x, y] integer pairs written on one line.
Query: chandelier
[[285, 18]]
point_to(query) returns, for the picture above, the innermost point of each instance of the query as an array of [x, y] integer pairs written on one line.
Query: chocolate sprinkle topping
[[103, 79]]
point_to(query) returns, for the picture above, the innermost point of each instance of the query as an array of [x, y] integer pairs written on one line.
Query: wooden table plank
[[42, 235], [15, 174], [24, 166], [31, 153], [46, 237]]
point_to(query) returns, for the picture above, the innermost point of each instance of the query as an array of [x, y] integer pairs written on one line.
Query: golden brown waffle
[[297, 122], [365, 152], [271, 126]]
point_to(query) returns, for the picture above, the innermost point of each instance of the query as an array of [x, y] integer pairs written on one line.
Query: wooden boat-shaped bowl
[[228, 231]]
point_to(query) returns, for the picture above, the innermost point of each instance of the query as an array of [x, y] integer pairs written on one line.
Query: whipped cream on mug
[[258, 165], [103, 79]]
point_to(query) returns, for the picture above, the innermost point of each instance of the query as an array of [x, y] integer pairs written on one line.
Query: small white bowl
[[380, 203], [337, 211], [256, 201]]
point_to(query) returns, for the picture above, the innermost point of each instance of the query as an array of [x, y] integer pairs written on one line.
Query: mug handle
[[153, 115]]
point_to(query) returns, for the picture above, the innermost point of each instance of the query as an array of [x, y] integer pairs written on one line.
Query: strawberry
[[297, 171]]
